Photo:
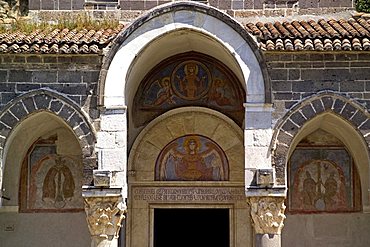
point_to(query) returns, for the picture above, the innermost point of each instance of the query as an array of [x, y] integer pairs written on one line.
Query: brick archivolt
[[324, 102], [45, 100]]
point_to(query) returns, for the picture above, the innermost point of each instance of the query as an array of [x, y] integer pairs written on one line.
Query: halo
[[191, 63], [191, 138]]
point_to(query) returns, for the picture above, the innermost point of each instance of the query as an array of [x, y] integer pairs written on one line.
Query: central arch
[[150, 191], [203, 28]]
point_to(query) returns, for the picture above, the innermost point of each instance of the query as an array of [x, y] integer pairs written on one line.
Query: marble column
[[268, 219], [105, 211]]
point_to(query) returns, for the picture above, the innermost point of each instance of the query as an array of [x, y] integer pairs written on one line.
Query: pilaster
[[111, 146]]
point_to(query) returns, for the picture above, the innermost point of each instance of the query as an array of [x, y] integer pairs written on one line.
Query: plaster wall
[[44, 229], [38, 229], [327, 230]]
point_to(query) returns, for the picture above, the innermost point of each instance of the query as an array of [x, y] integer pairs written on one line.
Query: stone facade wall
[[56, 4], [243, 4], [75, 76], [295, 76], [149, 4]]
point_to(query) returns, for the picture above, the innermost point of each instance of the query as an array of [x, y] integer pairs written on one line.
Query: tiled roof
[[322, 35], [57, 40]]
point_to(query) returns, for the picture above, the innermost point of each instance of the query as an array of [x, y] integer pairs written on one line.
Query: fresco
[[51, 182], [321, 180], [189, 79], [192, 158]]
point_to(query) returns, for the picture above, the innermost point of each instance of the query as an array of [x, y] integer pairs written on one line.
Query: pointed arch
[[45, 100], [337, 113], [53, 102]]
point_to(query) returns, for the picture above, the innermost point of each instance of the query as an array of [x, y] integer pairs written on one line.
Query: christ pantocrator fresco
[[186, 80]]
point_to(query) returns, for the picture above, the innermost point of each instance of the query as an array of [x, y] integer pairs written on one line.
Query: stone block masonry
[[75, 76], [295, 76]]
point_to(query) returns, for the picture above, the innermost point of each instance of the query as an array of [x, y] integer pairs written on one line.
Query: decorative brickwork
[[46, 100], [309, 108]]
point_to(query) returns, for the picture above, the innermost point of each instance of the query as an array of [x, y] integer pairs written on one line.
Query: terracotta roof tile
[[321, 35], [58, 40]]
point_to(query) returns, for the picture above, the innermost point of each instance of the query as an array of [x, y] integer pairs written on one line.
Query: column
[[105, 211], [268, 220], [266, 199]]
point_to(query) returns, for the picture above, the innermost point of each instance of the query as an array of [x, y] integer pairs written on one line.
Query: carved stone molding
[[267, 214], [9, 11], [104, 215]]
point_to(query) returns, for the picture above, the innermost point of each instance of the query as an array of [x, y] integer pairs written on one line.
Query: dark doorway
[[191, 228]]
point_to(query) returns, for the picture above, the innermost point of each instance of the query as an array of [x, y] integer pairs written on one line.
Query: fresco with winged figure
[[192, 158], [189, 79]]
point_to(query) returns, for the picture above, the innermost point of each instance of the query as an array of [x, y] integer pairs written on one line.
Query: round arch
[[335, 114], [195, 24], [180, 122]]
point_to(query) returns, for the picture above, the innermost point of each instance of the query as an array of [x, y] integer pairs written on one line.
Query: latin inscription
[[183, 194]]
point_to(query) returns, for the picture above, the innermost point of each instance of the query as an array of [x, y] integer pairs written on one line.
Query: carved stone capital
[[9, 12], [267, 214], [104, 215]]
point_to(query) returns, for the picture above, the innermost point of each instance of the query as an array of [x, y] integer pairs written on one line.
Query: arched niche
[[38, 127], [347, 135], [177, 28], [180, 123], [322, 177]]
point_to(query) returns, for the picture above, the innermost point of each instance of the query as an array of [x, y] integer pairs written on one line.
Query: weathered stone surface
[[359, 118], [29, 104], [318, 106], [267, 214], [298, 118], [104, 216], [327, 102], [9, 119], [348, 111], [290, 127], [18, 110], [338, 106], [56, 105], [66, 112], [42, 101], [308, 111]]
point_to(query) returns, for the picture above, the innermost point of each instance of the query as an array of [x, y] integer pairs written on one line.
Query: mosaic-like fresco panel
[[50, 182], [189, 79], [321, 180], [192, 158]]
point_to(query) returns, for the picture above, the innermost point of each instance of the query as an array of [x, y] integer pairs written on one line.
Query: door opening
[[191, 227]]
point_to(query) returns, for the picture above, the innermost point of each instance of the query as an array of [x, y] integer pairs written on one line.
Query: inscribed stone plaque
[[189, 194]]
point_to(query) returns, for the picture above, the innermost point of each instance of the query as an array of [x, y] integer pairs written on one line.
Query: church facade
[[189, 123]]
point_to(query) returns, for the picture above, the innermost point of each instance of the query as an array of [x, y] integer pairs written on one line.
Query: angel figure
[[165, 94], [190, 161]]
